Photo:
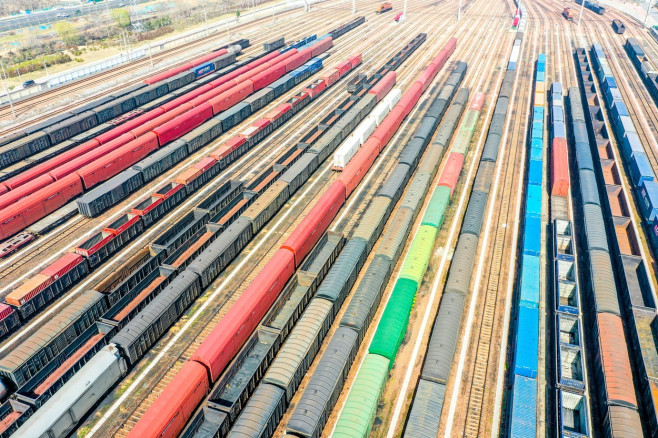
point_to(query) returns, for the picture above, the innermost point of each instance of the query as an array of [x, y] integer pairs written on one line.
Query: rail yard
[[402, 220]]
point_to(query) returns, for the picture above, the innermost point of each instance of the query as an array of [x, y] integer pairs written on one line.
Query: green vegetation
[[121, 17], [157, 23], [66, 31], [37, 64]]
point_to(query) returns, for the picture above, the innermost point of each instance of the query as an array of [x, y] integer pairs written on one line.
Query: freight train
[[173, 408], [38, 291], [643, 179], [214, 209], [112, 152], [525, 341], [435, 372], [281, 380], [571, 385], [256, 222], [101, 114], [391, 328], [593, 6], [633, 307], [645, 68]]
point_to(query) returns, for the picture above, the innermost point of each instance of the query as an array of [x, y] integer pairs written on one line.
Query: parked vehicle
[[384, 7], [618, 26], [568, 14]]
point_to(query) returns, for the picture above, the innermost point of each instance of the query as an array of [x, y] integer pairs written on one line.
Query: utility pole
[[582, 6], [4, 82], [18, 70], [404, 13], [46, 67], [354, 6], [646, 17], [459, 11]]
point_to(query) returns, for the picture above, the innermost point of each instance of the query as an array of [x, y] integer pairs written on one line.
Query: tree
[[122, 18], [66, 32]]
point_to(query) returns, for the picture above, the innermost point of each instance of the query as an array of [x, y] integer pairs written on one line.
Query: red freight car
[[263, 79], [298, 60], [451, 171], [559, 168], [478, 102], [236, 73], [37, 183], [59, 193], [427, 75], [385, 85], [187, 97], [129, 125], [278, 112], [3, 189], [90, 157], [343, 67], [38, 205], [236, 326], [28, 290], [122, 224], [330, 77], [315, 88], [175, 405], [106, 167], [92, 245], [159, 120], [229, 98], [205, 97], [411, 96], [388, 126], [182, 124], [314, 224], [47, 166], [359, 165], [355, 59], [63, 265]]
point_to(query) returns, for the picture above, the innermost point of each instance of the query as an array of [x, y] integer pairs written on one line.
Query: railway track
[[627, 81], [322, 20], [495, 277], [469, 392], [36, 103], [63, 237], [97, 224], [254, 161], [235, 288], [386, 416]]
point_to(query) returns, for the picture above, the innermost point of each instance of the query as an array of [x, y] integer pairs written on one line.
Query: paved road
[[46, 17]]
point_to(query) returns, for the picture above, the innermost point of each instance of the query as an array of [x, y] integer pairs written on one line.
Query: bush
[[145, 36], [37, 64]]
